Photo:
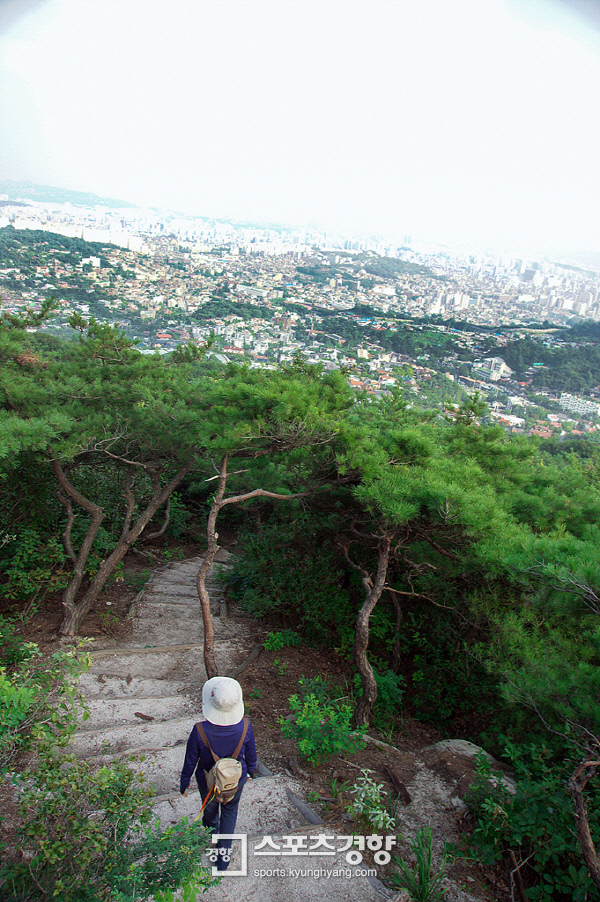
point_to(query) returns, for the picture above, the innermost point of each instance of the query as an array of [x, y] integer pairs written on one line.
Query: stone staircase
[[144, 700]]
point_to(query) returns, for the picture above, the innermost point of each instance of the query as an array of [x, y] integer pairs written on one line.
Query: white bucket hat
[[222, 701]]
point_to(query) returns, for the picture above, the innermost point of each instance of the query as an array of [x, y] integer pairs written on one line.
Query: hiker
[[224, 728]]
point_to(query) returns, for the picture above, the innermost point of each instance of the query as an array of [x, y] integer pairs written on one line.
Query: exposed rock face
[[454, 760]]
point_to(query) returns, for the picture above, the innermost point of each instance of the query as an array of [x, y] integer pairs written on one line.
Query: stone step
[[144, 734], [175, 576], [96, 685], [178, 605], [150, 664], [161, 767], [189, 588], [179, 662], [170, 630], [185, 567], [172, 590], [105, 712], [150, 616], [174, 627], [182, 601]]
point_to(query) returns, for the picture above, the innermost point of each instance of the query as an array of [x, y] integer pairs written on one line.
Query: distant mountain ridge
[[25, 190]]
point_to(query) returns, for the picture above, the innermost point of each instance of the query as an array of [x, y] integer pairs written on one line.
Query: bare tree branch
[[73, 613], [366, 579], [150, 468], [235, 473], [262, 493], [166, 521]]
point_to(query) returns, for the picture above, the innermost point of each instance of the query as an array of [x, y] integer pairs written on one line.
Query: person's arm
[[192, 753], [250, 751]]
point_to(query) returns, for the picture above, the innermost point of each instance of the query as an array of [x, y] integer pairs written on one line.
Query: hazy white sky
[[450, 119]]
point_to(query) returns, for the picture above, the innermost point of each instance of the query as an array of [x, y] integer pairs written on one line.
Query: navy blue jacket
[[223, 741]]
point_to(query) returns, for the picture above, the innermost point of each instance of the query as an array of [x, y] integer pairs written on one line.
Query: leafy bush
[[320, 728], [322, 688], [283, 639], [12, 648], [179, 516], [89, 834], [536, 824], [369, 804], [39, 701], [446, 680], [34, 564], [297, 579]]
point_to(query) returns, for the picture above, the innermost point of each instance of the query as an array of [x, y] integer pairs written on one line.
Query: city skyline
[[470, 124]]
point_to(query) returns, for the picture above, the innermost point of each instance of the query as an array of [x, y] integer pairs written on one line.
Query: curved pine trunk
[[364, 708], [209, 633], [96, 513], [211, 551], [576, 786]]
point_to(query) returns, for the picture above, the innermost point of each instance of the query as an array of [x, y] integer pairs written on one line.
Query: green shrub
[[537, 824], [179, 516], [40, 703], [321, 729], [446, 681], [297, 581], [369, 804], [89, 834], [34, 564], [283, 639], [12, 648], [322, 688]]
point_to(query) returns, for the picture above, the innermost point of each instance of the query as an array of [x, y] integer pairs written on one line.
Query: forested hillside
[[455, 565], [570, 368]]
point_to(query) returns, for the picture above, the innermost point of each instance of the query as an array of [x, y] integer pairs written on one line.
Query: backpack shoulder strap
[[238, 747], [204, 739]]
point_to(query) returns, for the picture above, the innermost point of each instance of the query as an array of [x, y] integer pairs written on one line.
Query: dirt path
[[144, 699]]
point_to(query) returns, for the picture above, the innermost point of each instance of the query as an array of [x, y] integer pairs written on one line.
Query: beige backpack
[[224, 776]]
